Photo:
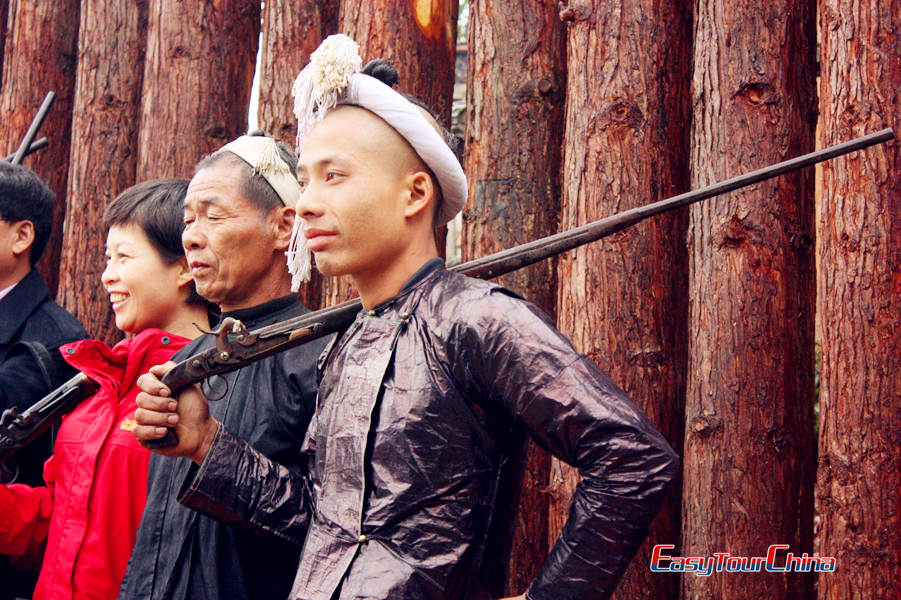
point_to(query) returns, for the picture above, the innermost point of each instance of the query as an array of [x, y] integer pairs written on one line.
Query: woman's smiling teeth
[[116, 297]]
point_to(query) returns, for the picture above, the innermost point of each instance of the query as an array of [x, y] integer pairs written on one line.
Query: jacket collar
[[254, 314], [19, 303], [412, 291]]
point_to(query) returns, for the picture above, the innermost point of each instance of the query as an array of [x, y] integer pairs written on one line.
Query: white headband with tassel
[[261, 154], [333, 77]]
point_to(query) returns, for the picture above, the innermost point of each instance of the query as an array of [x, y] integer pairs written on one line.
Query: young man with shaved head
[[420, 398]]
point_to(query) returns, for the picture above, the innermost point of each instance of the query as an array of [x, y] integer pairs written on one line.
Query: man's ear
[[184, 276], [421, 190], [24, 237], [282, 222]]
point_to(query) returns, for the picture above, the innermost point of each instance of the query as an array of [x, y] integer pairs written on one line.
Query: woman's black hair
[[157, 207]]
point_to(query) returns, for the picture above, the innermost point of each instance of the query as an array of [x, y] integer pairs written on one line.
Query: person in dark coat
[[32, 328], [420, 397], [239, 214]]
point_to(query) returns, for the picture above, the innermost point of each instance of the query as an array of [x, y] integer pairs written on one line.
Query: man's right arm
[[232, 481]]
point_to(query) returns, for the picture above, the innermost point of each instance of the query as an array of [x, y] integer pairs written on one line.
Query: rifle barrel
[[509, 260], [33, 128], [38, 144]]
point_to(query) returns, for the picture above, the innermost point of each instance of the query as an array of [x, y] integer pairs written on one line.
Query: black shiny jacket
[[417, 402], [180, 554]]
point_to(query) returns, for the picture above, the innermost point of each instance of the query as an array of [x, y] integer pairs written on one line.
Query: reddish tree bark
[[418, 38], [197, 76], [40, 57], [4, 13], [859, 302], [749, 442], [291, 32], [104, 149], [516, 78], [621, 300]]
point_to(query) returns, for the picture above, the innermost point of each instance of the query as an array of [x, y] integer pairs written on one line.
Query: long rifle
[[19, 429], [237, 347]]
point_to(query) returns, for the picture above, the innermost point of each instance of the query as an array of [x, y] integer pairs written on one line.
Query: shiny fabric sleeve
[[573, 410], [243, 488]]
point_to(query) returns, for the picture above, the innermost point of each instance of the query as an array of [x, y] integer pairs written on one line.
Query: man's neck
[[267, 288], [382, 283], [15, 275]]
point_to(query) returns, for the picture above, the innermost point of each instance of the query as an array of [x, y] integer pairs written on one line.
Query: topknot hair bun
[[381, 69]]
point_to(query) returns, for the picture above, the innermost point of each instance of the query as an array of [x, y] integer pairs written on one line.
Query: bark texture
[[291, 32], [104, 149], [748, 459], [4, 13], [40, 57], [418, 38], [621, 300], [197, 76], [516, 81], [859, 303]]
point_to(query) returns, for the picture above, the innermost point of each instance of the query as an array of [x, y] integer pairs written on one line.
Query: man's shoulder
[[458, 307], [30, 315], [68, 326], [463, 298], [51, 325]]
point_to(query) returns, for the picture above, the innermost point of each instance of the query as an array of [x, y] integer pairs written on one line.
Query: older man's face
[[234, 249]]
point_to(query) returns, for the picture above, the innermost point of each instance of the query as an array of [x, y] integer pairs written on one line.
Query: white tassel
[[269, 162], [300, 263], [319, 85]]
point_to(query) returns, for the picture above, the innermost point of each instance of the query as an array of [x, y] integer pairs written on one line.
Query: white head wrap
[[333, 77], [261, 153]]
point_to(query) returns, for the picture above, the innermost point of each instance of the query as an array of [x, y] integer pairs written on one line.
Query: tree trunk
[[197, 76], [291, 32], [516, 78], [621, 300], [749, 408], [40, 57], [417, 37], [859, 303], [4, 13], [104, 149], [419, 40]]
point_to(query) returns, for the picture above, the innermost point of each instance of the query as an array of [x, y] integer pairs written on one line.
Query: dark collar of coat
[[19, 303]]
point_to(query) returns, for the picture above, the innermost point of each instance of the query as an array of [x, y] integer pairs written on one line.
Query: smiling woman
[[87, 515], [147, 276]]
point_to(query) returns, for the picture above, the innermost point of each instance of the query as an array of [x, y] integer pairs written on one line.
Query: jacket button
[[165, 340], [362, 538], [70, 350]]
